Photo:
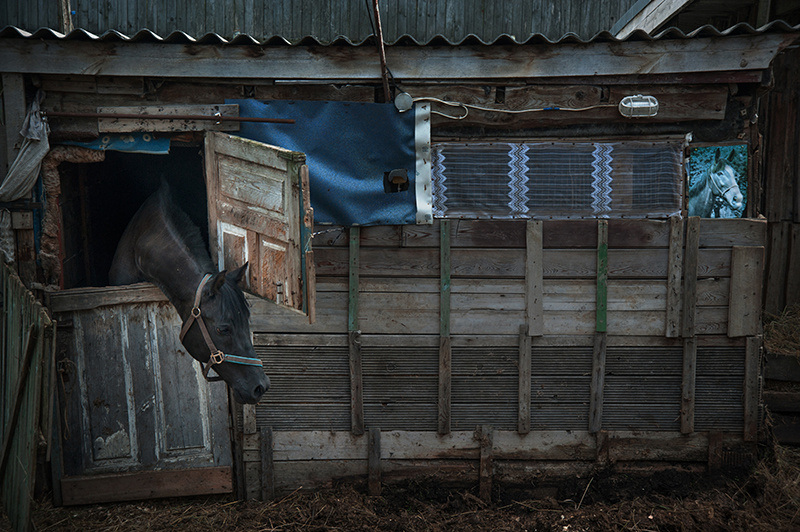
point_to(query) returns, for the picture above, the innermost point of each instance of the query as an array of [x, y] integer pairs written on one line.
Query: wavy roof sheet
[[180, 37]]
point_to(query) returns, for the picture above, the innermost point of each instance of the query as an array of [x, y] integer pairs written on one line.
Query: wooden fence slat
[[534, 273], [16, 396], [674, 274], [354, 335], [777, 267], [602, 275], [486, 467]]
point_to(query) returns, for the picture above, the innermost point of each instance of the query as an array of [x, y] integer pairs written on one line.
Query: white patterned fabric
[[580, 179]]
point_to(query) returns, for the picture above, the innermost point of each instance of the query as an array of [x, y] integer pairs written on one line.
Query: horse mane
[[183, 226], [232, 302]]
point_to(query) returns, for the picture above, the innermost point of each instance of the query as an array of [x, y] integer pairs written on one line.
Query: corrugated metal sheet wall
[[325, 20]]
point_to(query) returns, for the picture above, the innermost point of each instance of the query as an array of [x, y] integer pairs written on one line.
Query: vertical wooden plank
[[374, 461], [445, 350], [688, 381], [352, 312], [602, 275], [777, 274], [524, 394], [14, 109], [354, 337], [444, 278], [534, 273], [598, 382], [714, 451], [751, 387], [601, 338], [307, 233], [690, 276], [792, 268], [744, 298], [674, 274], [267, 465], [485, 470]]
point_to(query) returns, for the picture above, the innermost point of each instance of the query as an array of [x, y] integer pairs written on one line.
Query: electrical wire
[[467, 106]]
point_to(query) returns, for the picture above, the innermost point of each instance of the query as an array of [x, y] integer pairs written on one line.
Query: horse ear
[[237, 275], [217, 281]]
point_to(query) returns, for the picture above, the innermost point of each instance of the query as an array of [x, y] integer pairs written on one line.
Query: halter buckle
[[196, 312], [216, 358]]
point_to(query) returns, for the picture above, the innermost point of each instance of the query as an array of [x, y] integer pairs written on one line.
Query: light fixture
[[638, 106], [403, 101]]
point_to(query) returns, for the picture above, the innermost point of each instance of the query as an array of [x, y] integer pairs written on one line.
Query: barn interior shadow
[[99, 199]]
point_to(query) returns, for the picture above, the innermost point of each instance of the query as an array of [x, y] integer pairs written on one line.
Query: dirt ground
[[763, 498]]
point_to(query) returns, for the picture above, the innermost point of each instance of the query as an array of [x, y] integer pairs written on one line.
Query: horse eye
[[224, 330]]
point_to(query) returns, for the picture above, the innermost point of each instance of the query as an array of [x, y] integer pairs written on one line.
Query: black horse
[[161, 245]]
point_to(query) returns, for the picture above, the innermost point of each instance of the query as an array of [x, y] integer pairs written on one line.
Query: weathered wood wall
[[781, 184], [658, 382]]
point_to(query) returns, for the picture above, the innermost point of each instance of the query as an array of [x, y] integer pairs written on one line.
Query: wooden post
[[267, 465], [534, 273], [445, 350], [600, 339], [524, 394], [689, 373], [354, 337], [486, 439], [674, 274], [752, 366], [374, 461]]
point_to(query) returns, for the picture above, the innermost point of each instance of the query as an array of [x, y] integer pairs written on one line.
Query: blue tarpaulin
[[349, 148], [127, 142]]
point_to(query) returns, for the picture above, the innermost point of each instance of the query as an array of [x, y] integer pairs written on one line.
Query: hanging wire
[[467, 106]]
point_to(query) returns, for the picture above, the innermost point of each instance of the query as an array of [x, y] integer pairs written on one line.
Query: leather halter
[[217, 356]]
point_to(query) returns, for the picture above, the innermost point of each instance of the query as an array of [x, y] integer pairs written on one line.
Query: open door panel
[[259, 212]]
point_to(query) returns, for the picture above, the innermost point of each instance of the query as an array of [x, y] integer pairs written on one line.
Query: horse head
[[217, 333], [722, 178]]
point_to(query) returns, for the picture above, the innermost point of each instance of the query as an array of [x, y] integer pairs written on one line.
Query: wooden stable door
[[259, 212], [137, 418]]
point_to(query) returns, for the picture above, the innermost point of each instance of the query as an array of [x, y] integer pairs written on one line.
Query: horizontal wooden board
[[91, 489], [94, 297], [505, 263]]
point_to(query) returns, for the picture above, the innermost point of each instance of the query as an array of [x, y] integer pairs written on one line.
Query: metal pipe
[[135, 116]]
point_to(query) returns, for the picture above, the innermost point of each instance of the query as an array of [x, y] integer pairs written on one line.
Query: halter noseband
[[216, 356]]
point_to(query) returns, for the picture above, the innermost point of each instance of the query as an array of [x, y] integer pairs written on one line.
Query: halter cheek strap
[[216, 356]]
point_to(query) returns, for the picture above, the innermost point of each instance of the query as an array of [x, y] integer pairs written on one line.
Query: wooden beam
[[690, 260], [651, 16], [744, 300], [534, 274], [674, 275], [752, 368], [777, 267], [374, 462], [569, 60], [117, 487], [524, 393], [688, 384]]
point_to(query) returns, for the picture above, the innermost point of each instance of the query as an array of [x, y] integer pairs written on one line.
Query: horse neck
[[178, 273]]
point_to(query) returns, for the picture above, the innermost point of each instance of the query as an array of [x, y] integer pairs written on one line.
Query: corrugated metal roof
[[323, 21], [179, 37]]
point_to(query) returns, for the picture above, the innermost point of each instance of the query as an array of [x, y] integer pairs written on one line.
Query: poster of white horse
[[717, 181]]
